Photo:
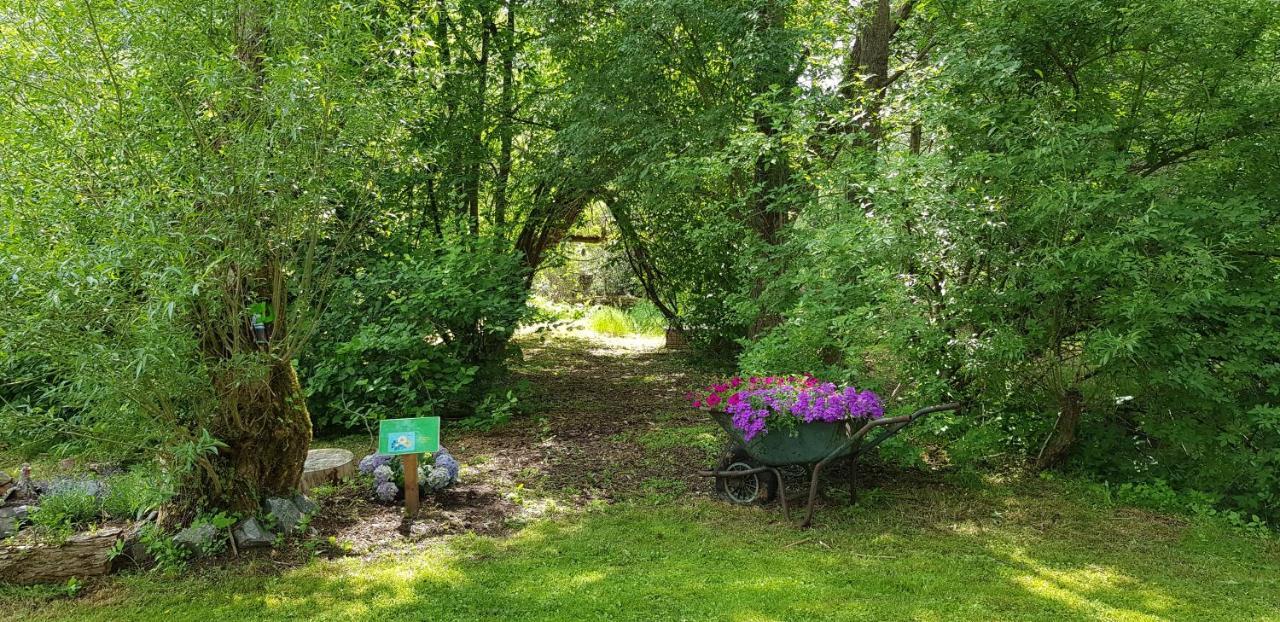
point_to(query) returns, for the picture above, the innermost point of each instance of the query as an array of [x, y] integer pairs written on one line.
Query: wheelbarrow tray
[[814, 443], [809, 442]]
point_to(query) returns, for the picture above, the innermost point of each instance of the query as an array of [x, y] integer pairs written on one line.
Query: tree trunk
[[479, 119], [771, 173], [869, 57], [260, 414], [267, 430], [506, 123], [1062, 437]]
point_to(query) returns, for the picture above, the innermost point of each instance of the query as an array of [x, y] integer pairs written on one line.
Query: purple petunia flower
[[804, 398]]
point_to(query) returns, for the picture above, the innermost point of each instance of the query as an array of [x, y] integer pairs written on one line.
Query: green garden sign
[[409, 436]]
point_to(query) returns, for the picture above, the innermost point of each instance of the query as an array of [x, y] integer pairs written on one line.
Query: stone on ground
[[250, 533], [287, 514], [305, 505], [197, 538]]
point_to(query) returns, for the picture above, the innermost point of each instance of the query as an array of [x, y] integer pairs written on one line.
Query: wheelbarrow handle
[[897, 422]]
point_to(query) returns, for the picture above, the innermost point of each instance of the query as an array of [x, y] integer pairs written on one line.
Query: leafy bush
[[69, 504], [423, 334], [136, 492]]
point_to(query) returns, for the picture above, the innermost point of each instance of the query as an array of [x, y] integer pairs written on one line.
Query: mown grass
[[1037, 551]]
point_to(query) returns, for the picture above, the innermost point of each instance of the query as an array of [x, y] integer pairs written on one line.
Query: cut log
[[83, 555], [327, 466]]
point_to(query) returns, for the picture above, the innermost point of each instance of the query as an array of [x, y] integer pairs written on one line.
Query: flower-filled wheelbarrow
[[822, 424]]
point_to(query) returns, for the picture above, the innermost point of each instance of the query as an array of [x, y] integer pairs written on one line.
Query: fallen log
[[83, 555]]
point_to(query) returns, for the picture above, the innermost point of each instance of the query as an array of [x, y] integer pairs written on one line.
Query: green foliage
[[495, 410], [645, 318], [1038, 206], [169, 556], [136, 492], [418, 335], [61, 513], [609, 321], [76, 504]]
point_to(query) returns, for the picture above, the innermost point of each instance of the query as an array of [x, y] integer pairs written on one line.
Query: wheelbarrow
[[749, 471]]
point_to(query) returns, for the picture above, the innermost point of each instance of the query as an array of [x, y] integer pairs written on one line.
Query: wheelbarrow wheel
[[747, 489]]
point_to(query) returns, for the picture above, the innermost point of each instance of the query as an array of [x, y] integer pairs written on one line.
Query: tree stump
[[83, 555], [325, 466], [676, 340]]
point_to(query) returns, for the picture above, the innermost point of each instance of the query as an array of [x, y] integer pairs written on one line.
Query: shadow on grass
[[706, 561]]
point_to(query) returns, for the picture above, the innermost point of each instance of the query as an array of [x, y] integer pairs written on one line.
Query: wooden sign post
[[407, 438], [410, 484]]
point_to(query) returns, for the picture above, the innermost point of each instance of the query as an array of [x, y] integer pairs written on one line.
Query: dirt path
[[606, 421]]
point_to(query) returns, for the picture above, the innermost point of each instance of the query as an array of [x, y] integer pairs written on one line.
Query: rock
[[21, 513], [11, 519], [326, 466], [305, 505], [135, 555], [249, 533], [5, 478], [7, 485], [197, 539], [287, 514]]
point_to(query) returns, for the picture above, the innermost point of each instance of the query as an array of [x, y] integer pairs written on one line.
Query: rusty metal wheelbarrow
[[749, 471]]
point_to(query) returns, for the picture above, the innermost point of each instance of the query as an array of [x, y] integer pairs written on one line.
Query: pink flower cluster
[[752, 402]]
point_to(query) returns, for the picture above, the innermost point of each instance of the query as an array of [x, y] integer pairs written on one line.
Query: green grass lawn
[[918, 546], [1036, 551]]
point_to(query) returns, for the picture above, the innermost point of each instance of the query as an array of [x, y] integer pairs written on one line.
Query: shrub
[[424, 334], [643, 319], [135, 492]]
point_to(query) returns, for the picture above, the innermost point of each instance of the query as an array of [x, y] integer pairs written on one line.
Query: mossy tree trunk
[[258, 414]]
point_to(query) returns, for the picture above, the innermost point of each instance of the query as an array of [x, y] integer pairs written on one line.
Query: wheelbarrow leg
[[813, 495], [853, 480]]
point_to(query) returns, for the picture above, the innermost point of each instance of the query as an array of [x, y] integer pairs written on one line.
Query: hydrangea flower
[[382, 474], [386, 491], [438, 478], [445, 460], [373, 461]]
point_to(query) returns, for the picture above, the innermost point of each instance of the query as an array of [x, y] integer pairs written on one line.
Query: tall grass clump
[[646, 319], [609, 321]]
